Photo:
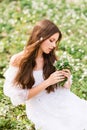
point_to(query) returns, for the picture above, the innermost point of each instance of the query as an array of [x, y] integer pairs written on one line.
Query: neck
[[39, 61], [40, 54]]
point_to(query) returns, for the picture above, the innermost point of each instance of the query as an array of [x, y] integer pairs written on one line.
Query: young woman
[[32, 79]]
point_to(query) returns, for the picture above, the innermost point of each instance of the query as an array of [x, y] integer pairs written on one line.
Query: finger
[[67, 75], [60, 80], [61, 77], [59, 72], [66, 70]]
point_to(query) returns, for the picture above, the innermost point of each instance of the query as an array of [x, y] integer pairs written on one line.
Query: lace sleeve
[[17, 95]]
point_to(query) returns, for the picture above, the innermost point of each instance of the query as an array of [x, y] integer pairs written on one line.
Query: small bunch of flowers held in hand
[[62, 64]]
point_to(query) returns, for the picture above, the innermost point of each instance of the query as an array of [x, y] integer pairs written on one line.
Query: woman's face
[[49, 44]]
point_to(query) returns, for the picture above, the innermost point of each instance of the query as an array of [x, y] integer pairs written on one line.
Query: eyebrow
[[54, 39]]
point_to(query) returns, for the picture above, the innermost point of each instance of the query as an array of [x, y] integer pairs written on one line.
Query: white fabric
[[17, 95], [59, 110]]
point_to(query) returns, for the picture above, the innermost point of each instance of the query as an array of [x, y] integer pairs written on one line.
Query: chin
[[47, 52]]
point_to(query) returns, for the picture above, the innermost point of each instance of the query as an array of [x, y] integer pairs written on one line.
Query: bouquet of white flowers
[[63, 64]]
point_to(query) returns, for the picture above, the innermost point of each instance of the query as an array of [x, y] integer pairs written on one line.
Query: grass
[[17, 18]]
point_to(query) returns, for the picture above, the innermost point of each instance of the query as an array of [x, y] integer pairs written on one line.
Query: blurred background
[[17, 17]]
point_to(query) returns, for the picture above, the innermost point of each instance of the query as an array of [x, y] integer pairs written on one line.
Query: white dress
[[59, 110]]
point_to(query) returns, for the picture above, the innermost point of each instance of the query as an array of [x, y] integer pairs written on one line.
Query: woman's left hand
[[67, 74]]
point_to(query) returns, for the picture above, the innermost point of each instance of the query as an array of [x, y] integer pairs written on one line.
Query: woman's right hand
[[56, 77]]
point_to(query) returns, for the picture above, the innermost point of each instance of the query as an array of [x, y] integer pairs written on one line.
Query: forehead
[[55, 36]]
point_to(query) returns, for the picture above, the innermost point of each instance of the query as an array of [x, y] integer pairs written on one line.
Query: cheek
[[46, 43]]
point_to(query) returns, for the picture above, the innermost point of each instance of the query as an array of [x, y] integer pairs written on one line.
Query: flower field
[[17, 17]]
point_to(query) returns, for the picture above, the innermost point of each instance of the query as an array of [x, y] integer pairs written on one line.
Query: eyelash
[[51, 40]]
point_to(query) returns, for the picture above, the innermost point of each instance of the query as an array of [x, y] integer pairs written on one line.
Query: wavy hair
[[42, 31]]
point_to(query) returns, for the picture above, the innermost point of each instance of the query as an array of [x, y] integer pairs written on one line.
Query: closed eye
[[50, 40]]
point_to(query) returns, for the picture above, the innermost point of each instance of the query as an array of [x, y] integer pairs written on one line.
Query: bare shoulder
[[15, 59]]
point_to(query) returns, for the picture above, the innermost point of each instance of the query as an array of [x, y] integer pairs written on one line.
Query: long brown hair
[[42, 31]]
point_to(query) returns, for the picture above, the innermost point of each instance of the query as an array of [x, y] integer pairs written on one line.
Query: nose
[[54, 44]]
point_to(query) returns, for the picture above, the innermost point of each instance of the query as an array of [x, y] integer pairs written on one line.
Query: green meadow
[[17, 17]]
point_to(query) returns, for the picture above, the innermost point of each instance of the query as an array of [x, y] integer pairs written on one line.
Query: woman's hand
[[56, 77], [67, 74]]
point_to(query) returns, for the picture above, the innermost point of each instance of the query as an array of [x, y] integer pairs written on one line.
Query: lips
[[50, 49]]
